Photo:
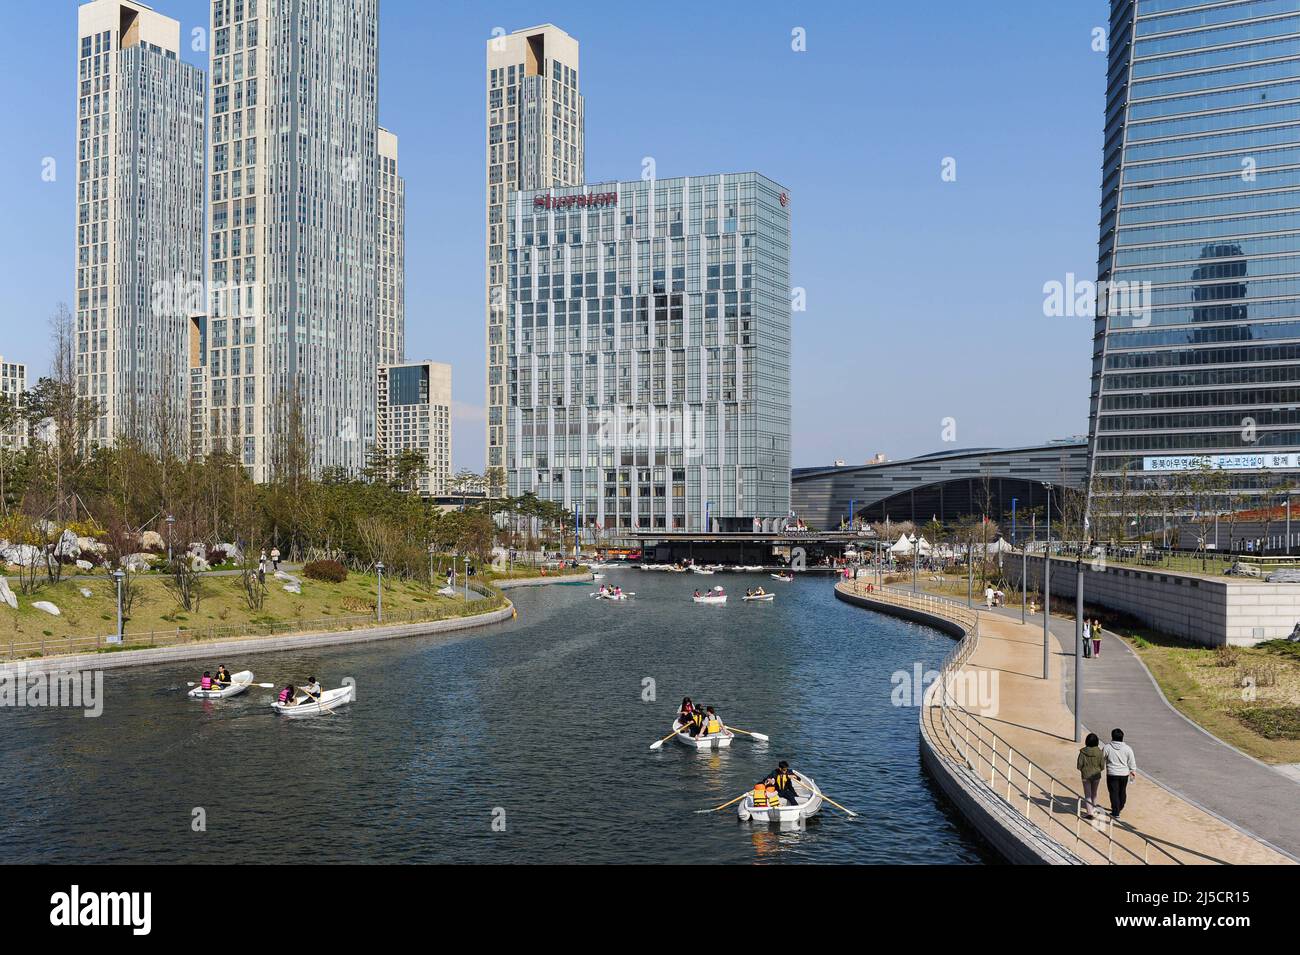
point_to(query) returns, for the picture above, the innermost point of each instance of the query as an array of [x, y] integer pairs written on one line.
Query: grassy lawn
[[1206, 686], [524, 572], [222, 605]]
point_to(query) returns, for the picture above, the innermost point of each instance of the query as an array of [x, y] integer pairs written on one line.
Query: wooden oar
[[757, 736], [664, 740], [725, 804], [826, 797]]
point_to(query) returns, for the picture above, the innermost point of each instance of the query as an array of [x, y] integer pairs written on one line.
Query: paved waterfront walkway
[[1199, 767], [1158, 825]]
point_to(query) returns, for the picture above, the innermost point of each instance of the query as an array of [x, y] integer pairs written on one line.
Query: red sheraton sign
[[586, 201]]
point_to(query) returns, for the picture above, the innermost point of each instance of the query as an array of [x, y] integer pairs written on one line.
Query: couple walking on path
[[1116, 762], [1091, 638]]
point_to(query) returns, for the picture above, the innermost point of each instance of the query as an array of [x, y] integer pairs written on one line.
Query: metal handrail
[[981, 747]]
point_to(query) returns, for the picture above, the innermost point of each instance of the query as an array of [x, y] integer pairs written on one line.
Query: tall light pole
[[431, 552], [379, 569], [170, 521], [118, 577], [1078, 645], [916, 558], [1013, 520], [1047, 585], [466, 577], [1024, 583]]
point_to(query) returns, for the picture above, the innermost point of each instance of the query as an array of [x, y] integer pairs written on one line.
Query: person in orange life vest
[[286, 695], [206, 682], [784, 782], [712, 725]]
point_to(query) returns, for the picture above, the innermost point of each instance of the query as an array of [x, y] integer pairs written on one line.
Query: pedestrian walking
[[1091, 764], [275, 558], [988, 598], [1121, 769], [1096, 638], [1086, 636], [261, 568]]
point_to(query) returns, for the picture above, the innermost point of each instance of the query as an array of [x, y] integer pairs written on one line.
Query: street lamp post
[[916, 557], [431, 552], [1047, 584], [170, 521], [1078, 645], [118, 577], [970, 573], [467, 577], [379, 569]]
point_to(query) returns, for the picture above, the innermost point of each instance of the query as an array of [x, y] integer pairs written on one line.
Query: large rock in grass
[[90, 545], [67, 546], [136, 563], [46, 607], [152, 540], [7, 595], [23, 555]]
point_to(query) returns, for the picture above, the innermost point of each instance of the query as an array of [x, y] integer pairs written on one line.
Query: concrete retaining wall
[[1010, 834], [539, 581], [212, 649], [1204, 610]]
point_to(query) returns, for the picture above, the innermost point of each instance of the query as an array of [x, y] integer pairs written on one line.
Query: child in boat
[[205, 682], [286, 696]]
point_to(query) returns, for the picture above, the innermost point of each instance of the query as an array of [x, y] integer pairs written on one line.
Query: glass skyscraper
[[1196, 357], [647, 351]]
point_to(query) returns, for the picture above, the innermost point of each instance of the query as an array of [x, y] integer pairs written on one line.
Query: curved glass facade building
[[1196, 349]]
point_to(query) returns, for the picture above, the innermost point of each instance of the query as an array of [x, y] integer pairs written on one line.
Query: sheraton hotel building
[[647, 347], [1201, 207]]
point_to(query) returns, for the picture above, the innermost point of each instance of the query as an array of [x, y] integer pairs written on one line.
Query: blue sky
[[925, 297]]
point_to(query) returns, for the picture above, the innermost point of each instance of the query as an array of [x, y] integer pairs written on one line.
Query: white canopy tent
[[903, 546]]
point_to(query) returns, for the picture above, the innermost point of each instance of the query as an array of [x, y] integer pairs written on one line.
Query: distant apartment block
[[391, 268], [414, 401], [292, 335], [535, 140], [140, 132], [13, 386]]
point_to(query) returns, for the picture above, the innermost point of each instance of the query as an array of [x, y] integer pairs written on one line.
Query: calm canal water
[[542, 718]]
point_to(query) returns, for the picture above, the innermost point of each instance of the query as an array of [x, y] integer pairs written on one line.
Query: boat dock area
[[752, 551]]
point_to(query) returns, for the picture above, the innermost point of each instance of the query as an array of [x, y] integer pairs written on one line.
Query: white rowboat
[[329, 700], [710, 599], [809, 804], [782, 578], [761, 597], [239, 682], [716, 741]]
